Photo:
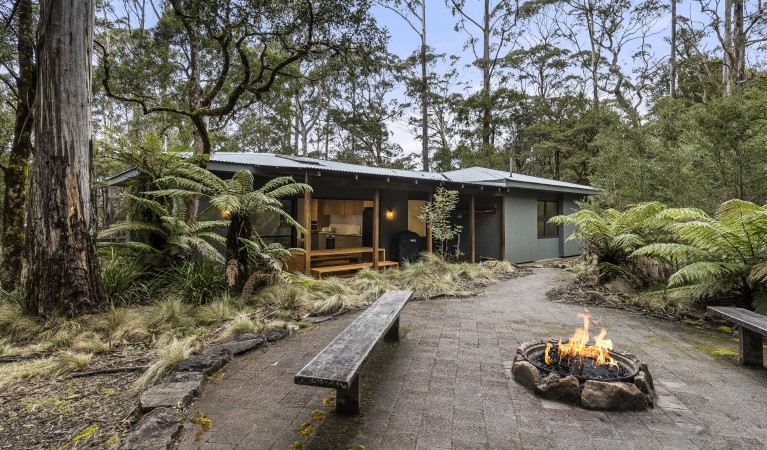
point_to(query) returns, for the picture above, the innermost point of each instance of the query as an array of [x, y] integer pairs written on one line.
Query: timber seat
[[337, 365], [752, 327]]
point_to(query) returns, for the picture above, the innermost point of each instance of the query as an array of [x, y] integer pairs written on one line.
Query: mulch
[[75, 411]]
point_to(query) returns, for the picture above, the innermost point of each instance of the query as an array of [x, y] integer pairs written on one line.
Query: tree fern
[[238, 198], [611, 237], [723, 256]]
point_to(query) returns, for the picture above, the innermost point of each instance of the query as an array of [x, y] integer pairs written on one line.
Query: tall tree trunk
[[672, 57], [727, 47], [594, 56], [64, 276], [16, 173], [486, 107], [738, 69], [424, 93]]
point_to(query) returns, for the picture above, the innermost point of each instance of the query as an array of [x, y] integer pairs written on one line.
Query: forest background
[[650, 100]]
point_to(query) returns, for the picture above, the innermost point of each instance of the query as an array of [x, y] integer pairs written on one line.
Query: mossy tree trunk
[[64, 276], [16, 172]]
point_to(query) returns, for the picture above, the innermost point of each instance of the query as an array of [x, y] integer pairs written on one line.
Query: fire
[[577, 346]]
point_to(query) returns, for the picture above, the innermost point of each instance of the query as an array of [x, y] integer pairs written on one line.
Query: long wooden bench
[[343, 268], [752, 327], [338, 365]]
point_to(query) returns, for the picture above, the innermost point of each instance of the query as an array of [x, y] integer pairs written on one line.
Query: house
[[503, 214]]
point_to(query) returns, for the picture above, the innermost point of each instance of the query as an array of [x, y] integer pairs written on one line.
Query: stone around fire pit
[[555, 387], [616, 395], [633, 394]]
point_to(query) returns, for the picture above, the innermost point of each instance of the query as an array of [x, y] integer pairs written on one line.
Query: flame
[[577, 346]]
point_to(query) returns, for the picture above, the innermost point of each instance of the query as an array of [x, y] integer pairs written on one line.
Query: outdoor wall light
[[226, 215], [389, 214]]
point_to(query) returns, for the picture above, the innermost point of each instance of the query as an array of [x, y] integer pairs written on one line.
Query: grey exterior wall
[[520, 213]]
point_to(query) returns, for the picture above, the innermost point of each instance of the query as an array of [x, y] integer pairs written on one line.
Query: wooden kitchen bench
[[338, 365]]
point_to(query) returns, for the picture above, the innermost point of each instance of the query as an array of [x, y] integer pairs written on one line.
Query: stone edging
[[163, 404]]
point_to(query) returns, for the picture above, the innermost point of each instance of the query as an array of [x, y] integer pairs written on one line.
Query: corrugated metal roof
[[272, 160], [482, 174], [471, 175]]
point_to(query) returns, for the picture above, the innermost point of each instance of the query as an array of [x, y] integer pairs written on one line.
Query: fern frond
[[129, 227], [627, 241], [704, 271], [732, 211], [758, 274], [635, 215], [672, 252]]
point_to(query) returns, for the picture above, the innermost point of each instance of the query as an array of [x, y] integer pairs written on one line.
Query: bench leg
[[393, 333], [751, 350], [348, 400]]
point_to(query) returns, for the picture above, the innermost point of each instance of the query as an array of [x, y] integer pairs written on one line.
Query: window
[[547, 210]]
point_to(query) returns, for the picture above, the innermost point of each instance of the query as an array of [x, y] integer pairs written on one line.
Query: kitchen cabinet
[[332, 207], [348, 241]]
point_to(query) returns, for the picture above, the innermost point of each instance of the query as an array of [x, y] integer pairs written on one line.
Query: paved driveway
[[443, 385]]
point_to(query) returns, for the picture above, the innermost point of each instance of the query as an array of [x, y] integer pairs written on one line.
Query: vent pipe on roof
[[511, 167]]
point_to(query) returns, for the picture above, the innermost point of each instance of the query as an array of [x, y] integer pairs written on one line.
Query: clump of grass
[[17, 325], [216, 312], [170, 353], [51, 367], [91, 342], [71, 361], [242, 323]]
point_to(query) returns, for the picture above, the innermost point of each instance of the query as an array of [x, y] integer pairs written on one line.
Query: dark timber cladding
[[337, 366], [752, 327]]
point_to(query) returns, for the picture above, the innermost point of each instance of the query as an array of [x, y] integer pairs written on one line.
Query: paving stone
[[169, 395], [275, 334], [450, 370], [204, 363], [156, 430]]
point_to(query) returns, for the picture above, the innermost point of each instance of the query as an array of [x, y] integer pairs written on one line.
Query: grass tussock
[[169, 353], [51, 367], [429, 278], [242, 324], [174, 326], [15, 324]]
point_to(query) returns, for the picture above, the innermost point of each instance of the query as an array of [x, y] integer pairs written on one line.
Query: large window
[[547, 210]]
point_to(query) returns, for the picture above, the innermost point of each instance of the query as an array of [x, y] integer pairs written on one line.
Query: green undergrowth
[[173, 327]]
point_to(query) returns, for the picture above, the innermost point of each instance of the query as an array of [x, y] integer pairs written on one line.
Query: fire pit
[[592, 376]]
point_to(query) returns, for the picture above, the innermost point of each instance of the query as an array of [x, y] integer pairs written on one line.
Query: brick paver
[[443, 386]]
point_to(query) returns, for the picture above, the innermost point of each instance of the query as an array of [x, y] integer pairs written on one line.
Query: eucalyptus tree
[[64, 275], [739, 26], [19, 82], [413, 12], [490, 34], [363, 108], [215, 57]]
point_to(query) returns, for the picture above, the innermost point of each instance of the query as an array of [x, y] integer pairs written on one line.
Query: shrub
[[195, 282]]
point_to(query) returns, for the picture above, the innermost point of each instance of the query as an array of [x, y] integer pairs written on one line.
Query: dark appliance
[[367, 227], [406, 246], [330, 241]]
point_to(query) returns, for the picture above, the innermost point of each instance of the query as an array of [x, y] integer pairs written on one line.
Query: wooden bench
[[752, 327], [343, 268], [338, 365]]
